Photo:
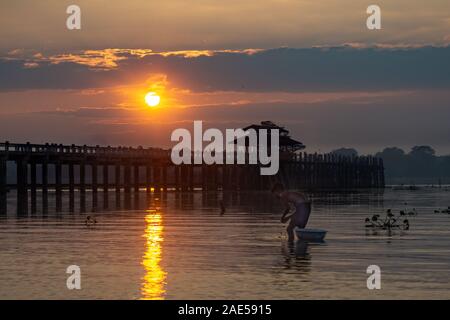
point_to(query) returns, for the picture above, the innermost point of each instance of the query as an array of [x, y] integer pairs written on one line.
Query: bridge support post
[[156, 178], [94, 187], [127, 185], [232, 177], [207, 176], [105, 185], [136, 178], [3, 186], [22, 186], [136, 184], [148, 178], [242, 177], [184, 177], [58, 187], [191, 177], [117, 182], [33, 186], [71, 188], [44, 173], [225, 177], [82, 187], [177, 177], [164, 177]]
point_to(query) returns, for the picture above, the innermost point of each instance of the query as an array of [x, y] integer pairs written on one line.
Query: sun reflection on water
[[155, 276]]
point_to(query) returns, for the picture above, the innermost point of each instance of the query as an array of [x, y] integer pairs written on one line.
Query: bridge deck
[[152, 168]]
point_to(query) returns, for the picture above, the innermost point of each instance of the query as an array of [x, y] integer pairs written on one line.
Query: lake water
[[178, 246]]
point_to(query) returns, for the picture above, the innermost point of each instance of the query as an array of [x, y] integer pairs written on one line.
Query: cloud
[[107, 59], [344, 68]]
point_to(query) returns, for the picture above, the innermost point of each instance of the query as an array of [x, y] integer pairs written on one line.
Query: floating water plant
[[407, 212], [443, 211], [388, 223]]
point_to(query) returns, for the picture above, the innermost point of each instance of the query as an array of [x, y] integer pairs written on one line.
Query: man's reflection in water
[[296, 250], [297, 255]]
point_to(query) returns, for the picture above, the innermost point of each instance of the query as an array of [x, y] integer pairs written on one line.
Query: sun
[[152, 99]]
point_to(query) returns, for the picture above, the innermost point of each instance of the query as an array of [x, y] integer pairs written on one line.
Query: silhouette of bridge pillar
[[230, 176], [94, 186], [3, 186], [22, 186], [127, 185], [187, 174], [105, 185], [148, 178], [204, 175], [82, 186], [184, 177], [164, 177], [117, 182], [177, 177], [33, 186], [191, 178], [136, 183], [58, 186], [243, 177], [71, 188], [214, 181], [44, 173], [157, 178], [226, 177]]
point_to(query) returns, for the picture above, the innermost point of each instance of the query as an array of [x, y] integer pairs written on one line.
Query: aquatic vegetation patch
[[389, 222]]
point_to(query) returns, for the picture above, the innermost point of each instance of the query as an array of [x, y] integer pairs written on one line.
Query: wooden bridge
[[127, 170]]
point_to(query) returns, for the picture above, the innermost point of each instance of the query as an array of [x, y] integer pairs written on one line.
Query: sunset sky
[[310, 65]]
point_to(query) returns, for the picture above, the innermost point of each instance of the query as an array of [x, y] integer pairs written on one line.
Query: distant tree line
[[419, 165]]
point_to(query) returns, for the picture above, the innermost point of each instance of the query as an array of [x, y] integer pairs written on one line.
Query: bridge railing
[[332, 158], [7, 147], [302, 157]]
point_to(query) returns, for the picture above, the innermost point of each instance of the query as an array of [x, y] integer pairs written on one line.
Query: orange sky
[[311, 65], [210, 24]]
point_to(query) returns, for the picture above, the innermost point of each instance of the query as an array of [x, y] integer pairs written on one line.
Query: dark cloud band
[[285, 69]]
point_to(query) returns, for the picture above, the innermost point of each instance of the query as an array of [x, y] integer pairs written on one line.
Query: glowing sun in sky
[[152, 99]]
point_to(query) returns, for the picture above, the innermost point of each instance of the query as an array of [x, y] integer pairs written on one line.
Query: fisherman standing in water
[[302, 209]]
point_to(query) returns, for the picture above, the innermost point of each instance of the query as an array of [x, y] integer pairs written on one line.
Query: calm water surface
[[180, 247]]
